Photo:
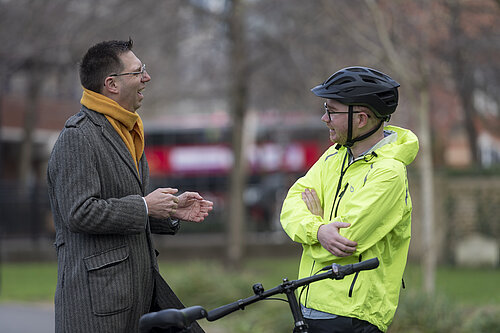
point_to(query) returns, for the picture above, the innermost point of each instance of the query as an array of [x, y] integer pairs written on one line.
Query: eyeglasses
[[141, 72], [334, 112]]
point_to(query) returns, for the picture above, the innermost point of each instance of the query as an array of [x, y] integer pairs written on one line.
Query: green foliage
[[420, 313], [483, 320], [211, 284]]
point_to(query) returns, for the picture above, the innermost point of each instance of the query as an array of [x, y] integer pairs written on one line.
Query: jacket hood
[[404, 149]]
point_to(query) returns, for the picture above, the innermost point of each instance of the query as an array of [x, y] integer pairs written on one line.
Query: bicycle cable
[[275, 299]]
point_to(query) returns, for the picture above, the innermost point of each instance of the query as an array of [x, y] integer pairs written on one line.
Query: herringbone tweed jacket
[[107, 269]]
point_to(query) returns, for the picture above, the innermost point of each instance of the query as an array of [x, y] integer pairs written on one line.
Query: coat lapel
[[115, 141]]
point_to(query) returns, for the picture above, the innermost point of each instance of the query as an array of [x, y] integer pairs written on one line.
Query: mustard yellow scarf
[[127, 124]]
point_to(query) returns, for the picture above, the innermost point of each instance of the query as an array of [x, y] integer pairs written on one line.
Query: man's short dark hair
[[101, 60]]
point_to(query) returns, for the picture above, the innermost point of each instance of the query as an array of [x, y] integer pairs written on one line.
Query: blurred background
[[229, 113]]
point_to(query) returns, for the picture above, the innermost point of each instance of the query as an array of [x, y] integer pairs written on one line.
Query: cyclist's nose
[[145, 76], [325, 118]]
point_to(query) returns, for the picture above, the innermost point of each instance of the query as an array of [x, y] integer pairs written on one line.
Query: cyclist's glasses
[[141, 72], [328, 112]]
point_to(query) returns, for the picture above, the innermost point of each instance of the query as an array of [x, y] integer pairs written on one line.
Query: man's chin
[[336, 141]]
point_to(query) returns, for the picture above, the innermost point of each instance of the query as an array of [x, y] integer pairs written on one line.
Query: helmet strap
[[350, 141]]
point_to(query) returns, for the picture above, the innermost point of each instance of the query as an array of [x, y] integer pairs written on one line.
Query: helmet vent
[[330, 79], [344, 81], [368, 79], [388, 98], [382, 75]]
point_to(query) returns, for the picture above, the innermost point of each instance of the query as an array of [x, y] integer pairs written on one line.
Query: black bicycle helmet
[[362, 86]]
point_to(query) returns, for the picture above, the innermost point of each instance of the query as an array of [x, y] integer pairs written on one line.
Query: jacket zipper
[[339, 185], [340, 197], [354, 280]]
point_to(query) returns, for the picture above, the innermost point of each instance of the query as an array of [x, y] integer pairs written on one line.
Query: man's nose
[[325, 118], [146, 77]]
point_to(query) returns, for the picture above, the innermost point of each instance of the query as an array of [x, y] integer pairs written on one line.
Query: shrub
[[483, 320], [211, 285], [420, 313]]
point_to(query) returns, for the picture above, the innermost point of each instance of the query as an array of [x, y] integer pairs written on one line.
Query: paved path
[[23, 318]]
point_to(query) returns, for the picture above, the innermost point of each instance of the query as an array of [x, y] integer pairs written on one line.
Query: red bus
[[194, 153]]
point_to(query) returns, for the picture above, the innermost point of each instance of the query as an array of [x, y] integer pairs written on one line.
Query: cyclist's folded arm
[[297, 221], [375, 210], [302, 228], [318, 253]]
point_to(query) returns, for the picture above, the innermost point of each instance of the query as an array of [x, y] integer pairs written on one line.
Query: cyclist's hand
[[192, 207], [310, 197], [162, 202], [333, 242]]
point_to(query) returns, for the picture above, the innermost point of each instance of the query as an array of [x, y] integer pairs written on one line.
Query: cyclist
[[354, 204]]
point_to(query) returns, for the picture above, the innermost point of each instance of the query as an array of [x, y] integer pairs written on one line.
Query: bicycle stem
[[300, 325]]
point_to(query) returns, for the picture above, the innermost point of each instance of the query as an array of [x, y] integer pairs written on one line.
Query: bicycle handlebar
[[171, 318], [185, 317], [336, 272]]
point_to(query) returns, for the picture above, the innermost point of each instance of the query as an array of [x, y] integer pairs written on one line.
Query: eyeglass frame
[[142, 71], [328, 112]]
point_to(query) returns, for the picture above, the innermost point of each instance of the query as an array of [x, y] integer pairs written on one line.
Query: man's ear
[[363, 119], [110, 85]]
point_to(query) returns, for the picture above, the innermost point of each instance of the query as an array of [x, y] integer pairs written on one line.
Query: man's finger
[[192, 195], [341, 224], [168, 190]]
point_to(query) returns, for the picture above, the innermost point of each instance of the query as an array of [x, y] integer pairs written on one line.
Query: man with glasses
[[354, 204], [98, 181]]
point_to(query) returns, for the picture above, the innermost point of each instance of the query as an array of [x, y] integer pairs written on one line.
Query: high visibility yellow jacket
[[372, 195]]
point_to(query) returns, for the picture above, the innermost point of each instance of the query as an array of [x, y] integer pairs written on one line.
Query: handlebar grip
[[171, 318], [365, 265], [193, 313], [162, 319], [340, 271], [222, 311]]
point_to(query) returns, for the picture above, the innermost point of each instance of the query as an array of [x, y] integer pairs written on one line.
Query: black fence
[[24, 211]]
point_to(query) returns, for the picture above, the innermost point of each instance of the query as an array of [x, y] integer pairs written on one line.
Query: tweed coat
[[107, 269]]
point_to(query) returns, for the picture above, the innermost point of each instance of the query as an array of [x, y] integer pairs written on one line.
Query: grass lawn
[[35, 282], [470, 287], [32, 282]]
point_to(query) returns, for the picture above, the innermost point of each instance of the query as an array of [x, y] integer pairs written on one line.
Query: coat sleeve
[[157, 226], [76, 184], [164, 226], [375, 210], [297, 221]]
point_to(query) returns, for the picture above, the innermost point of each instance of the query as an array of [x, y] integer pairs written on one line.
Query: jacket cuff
[[313, 231]]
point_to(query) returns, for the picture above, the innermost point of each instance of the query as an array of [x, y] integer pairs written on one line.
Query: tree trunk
[[238, 94], [30, 117], [427, 192], [464, 80]]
